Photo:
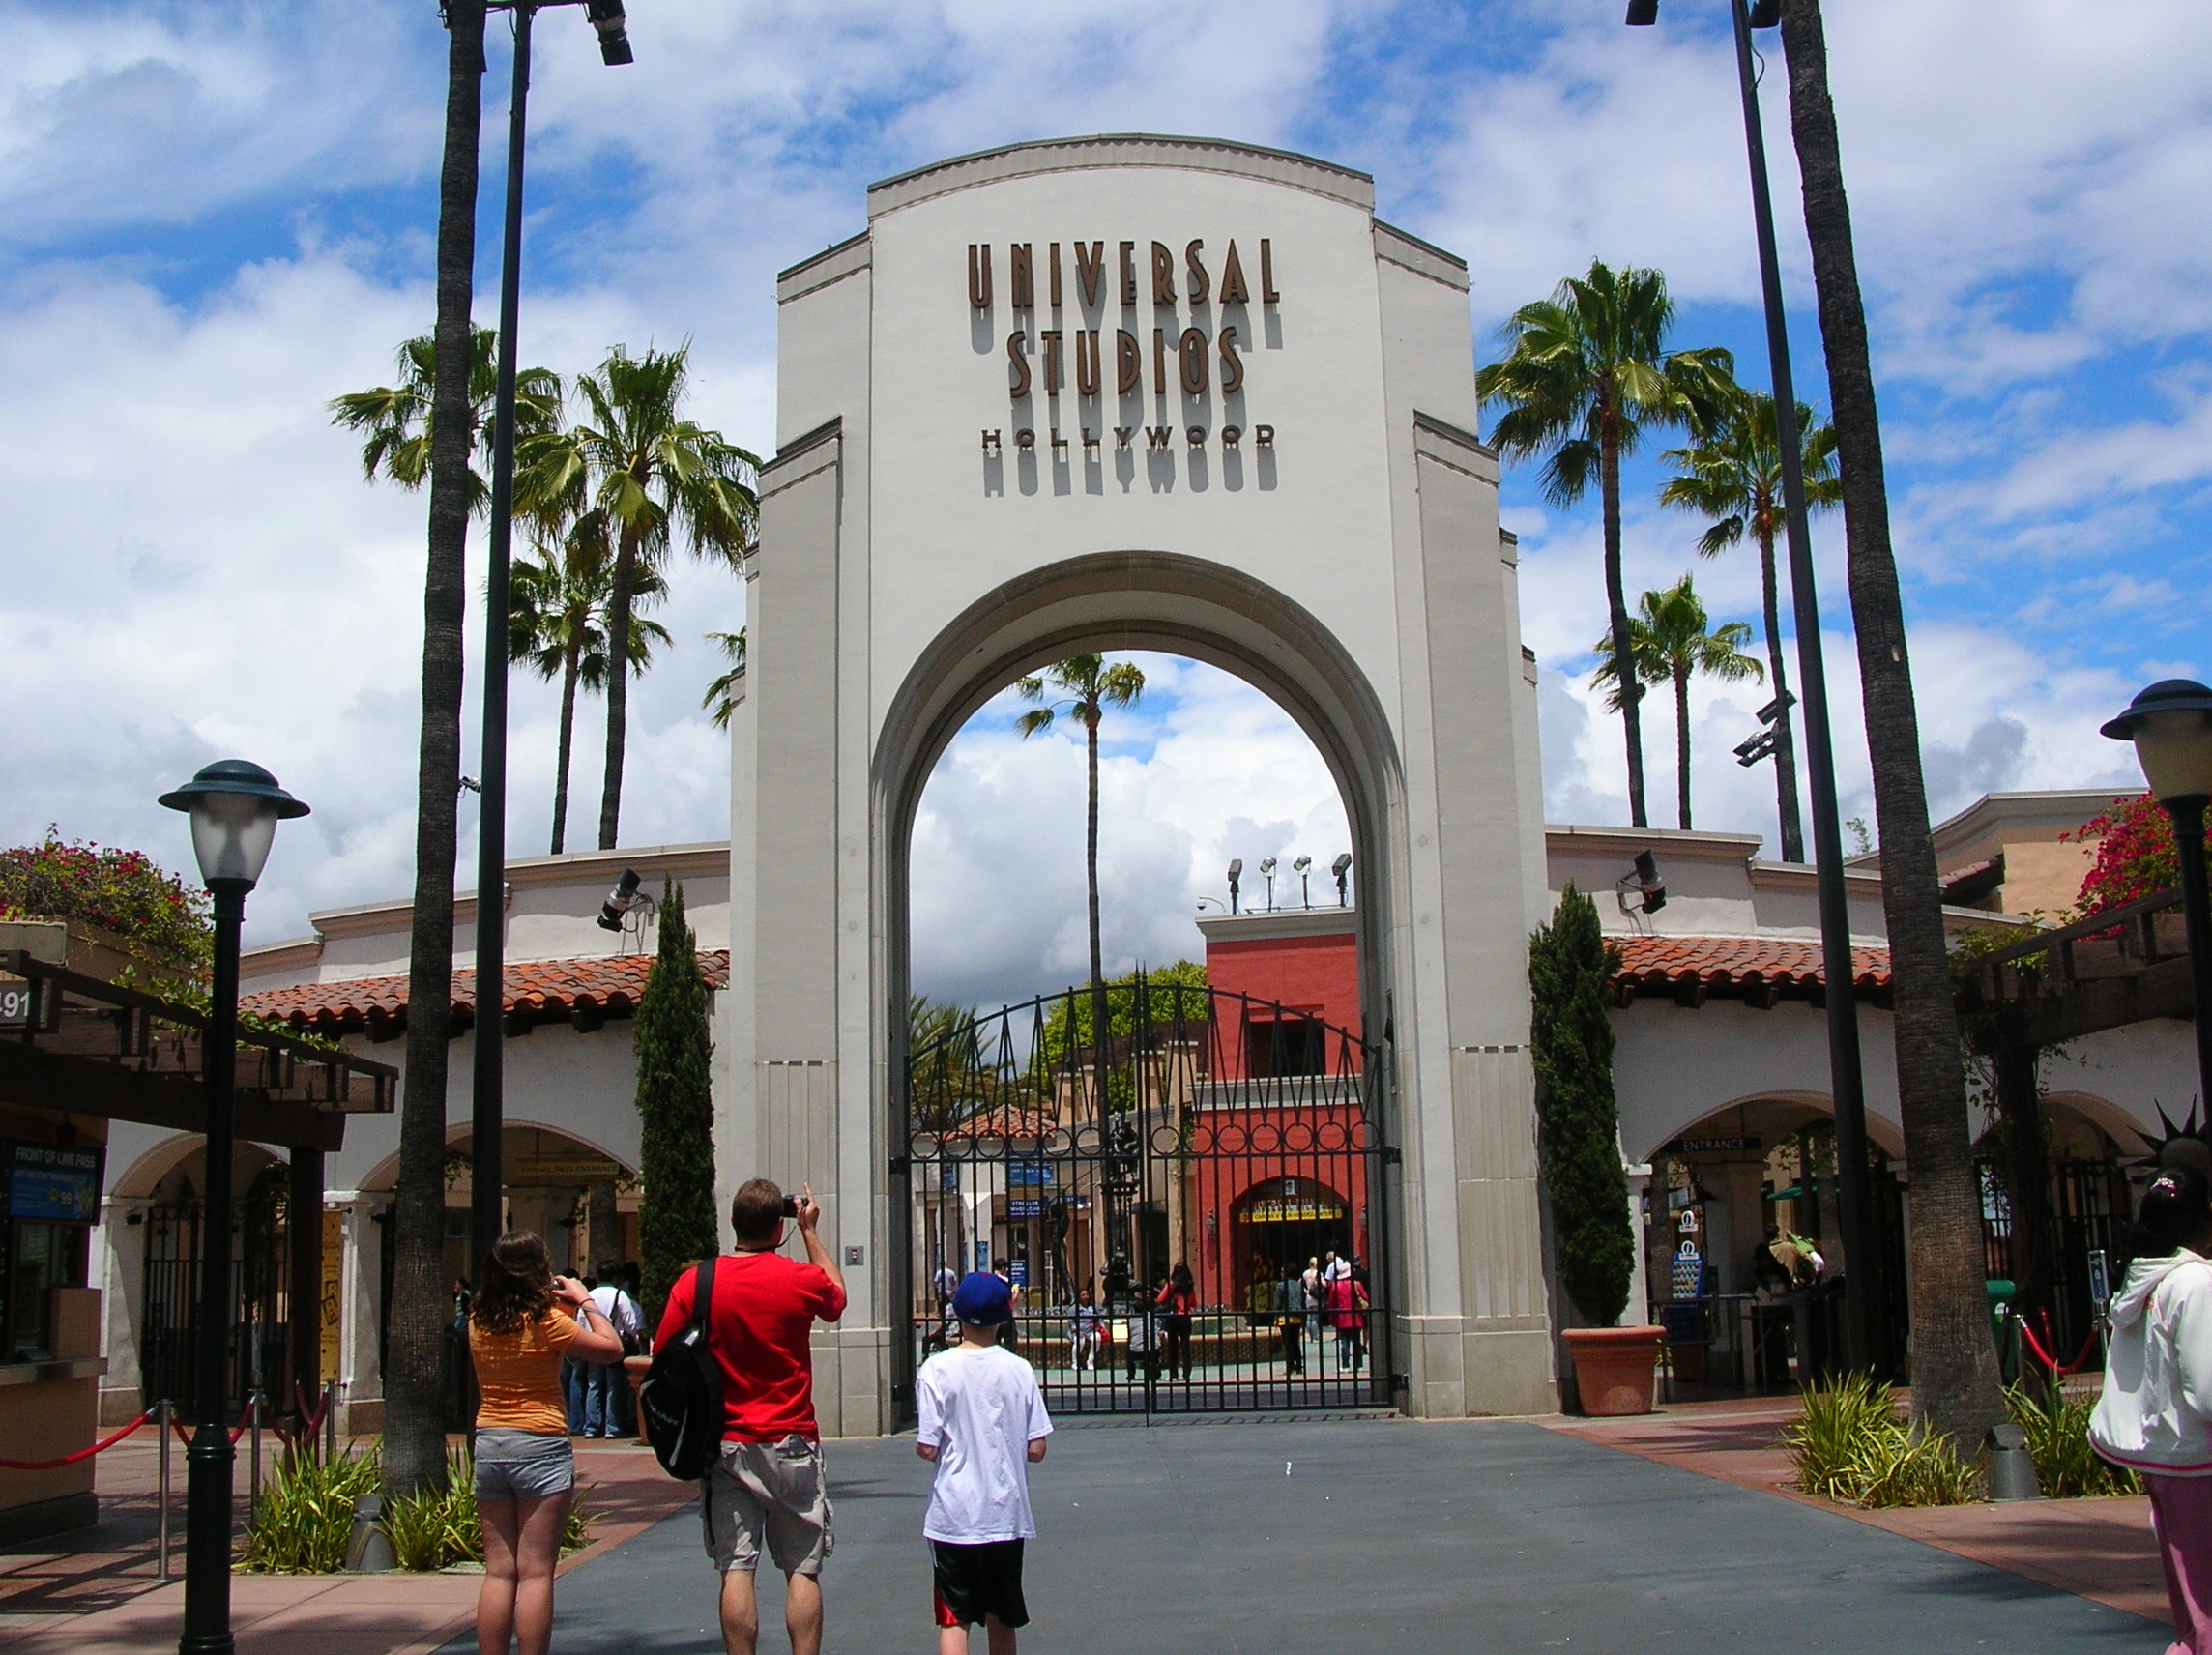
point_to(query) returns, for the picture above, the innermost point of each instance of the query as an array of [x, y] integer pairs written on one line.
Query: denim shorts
[[523, 1464]]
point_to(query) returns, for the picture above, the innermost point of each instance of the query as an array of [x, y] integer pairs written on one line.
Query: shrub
[[1849, 1445], [675, 1047], [2135, 856], [2057, 1428], [305, 1515], [121, 891], [1579, 1122]]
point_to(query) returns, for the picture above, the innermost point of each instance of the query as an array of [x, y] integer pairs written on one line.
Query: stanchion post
[[162, 1499], [253, 1458]]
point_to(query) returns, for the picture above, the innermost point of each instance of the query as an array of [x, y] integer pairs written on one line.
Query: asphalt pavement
[[1284, 1536]]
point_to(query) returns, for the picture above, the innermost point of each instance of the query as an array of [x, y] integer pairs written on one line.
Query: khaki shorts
[[775, 1487]]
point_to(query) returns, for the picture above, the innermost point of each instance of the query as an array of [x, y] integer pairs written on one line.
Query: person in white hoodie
[[2155, 1416]]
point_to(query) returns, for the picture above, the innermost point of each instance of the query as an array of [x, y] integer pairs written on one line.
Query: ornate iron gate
[[1233, 1145], [259, 1292]]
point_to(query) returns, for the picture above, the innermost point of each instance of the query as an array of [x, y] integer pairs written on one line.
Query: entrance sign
[[1140, 394]]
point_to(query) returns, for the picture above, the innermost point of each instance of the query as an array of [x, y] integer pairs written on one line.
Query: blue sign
[[59, 1186], [1018, 1272]]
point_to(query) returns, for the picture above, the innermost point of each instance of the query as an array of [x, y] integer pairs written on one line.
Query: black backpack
[[681, 1400]]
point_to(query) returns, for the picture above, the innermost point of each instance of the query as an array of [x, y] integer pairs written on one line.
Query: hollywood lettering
[[1187, 358]]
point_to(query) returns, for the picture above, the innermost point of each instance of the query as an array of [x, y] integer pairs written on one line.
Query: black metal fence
[[1193, 1207], [2090, 1204], [169, 1331]]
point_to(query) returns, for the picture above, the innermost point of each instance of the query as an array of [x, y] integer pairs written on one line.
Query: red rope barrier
[[99, 1447], [2062, 1370], [245, 1414]]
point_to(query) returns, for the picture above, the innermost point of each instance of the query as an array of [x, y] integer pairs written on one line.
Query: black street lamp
[[235, 807], [487, 1111], [1846, 1082], [2171, 724]]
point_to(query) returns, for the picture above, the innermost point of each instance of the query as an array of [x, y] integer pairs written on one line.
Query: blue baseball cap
[[982, 1300]]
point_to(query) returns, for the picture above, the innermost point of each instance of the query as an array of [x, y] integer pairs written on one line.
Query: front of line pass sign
[[55, 1185]]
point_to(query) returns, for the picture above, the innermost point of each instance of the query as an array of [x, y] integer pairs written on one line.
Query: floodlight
[[620, 901], [607, 17], [1642, 14]]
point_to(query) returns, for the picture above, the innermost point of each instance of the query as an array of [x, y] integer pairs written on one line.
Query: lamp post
[[2171, 724], [1846, 1079], [235, 807], [487, 1110]]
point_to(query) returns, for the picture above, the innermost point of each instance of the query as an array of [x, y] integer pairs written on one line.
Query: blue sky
[[218, 212]]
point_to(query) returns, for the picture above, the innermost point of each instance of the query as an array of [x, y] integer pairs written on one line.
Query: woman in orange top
[[525, 1465]]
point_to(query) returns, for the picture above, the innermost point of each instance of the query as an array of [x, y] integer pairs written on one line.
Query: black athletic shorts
[[976, 1581]]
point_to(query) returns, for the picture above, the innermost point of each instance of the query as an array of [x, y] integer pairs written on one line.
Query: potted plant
[[1578, 1149]]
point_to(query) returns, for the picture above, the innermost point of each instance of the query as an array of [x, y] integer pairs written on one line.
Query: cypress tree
[[1578, 1123], [676, 1110]]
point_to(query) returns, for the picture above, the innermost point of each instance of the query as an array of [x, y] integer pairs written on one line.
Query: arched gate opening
[[1185, 1186]]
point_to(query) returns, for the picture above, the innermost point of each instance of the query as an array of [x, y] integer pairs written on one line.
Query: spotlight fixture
[[1646, 884], [607, 17], [1236, 872], [620, 901], [1302, 867], [1267, 868], [1342, 869]]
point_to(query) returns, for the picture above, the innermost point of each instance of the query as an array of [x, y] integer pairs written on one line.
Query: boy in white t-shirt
[[983, 1425]]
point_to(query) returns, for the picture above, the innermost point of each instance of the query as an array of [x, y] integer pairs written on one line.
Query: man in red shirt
[[769, 1481]]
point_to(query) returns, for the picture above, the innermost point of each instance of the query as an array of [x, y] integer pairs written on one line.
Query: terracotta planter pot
[[1615, 1367]]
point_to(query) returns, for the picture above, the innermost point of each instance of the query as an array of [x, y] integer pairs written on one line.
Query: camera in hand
[[791, 1207]]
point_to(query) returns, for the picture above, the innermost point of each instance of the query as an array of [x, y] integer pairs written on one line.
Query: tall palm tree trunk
[[1954, 1361], [569, 670], [1785, 742], [1623, 644], [1683, 746], [414, 1433], [618, 686], [1090, 855]]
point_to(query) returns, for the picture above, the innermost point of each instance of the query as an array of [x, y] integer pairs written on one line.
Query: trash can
[[1685, 1325]]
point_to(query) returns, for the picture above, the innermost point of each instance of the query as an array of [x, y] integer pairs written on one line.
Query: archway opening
[[1254, 692]]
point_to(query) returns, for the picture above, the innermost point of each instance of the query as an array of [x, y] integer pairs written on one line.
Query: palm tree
[[1587, 373], [721, 696], [1732, 473], [397, 419], [414, 1426], [1954, 1365], [1091, 685], [1672, 645], [653, 475], [556, 627]]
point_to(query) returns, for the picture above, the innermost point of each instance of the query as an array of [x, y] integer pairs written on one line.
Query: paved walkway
[[1284, 1538], [2100, 1549]]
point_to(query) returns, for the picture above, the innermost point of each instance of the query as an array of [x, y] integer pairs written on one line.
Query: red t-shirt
[[758, 1328]]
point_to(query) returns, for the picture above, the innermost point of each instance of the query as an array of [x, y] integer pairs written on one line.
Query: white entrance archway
[[1143, 393]]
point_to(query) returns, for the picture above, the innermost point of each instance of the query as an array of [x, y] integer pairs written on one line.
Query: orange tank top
[[518, 1374]]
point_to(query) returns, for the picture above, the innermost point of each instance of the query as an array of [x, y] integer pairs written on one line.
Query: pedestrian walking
[[1346, 1303], [1144, 1333], [983, 1425], [606, 1386], [1177, 1302], [1291, 1322], [523, 1321], [768, 1485], [2155, 1414], [1316, 1297]]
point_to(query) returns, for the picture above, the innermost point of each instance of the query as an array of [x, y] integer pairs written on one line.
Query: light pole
[[235, 807], [487, 1110], [1846, 1080], [2171, 724]]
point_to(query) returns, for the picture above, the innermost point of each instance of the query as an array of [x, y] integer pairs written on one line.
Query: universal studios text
[[1050, 352]]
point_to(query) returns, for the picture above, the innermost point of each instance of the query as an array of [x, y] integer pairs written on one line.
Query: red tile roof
[[541, 990], [1667, 963]]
